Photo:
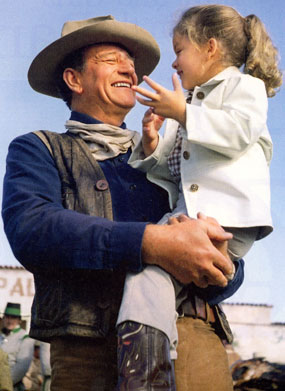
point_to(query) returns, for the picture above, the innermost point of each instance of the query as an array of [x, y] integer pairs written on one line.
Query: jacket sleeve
[[138, 159], [42, 234], [231, 118], [23, 359]]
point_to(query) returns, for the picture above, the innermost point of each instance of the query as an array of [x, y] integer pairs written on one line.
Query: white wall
[[254, 334], [16, 286]]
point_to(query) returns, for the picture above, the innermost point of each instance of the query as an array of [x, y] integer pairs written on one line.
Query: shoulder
[[31, 146], [242, 81]]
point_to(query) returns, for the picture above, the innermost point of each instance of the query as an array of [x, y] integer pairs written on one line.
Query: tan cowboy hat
[[78, 34]]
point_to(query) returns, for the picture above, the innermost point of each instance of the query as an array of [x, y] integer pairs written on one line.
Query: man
[[17, 344], [77, 215]]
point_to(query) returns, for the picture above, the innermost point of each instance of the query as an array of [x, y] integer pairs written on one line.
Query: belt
[[198, 308]]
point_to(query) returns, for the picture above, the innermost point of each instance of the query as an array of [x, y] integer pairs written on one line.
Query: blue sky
[[28, 26]]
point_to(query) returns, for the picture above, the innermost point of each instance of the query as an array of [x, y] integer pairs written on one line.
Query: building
[[17, 286], [254, 334]]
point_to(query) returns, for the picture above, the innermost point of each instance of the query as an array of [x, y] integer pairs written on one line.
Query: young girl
[[215, 153]]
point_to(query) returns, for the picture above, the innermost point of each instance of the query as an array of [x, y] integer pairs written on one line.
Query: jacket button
[[133, 187], [186, 155], [200, 95], [101, 185], [194, 187]]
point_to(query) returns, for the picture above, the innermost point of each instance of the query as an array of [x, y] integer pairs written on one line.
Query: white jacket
[[226, 151]]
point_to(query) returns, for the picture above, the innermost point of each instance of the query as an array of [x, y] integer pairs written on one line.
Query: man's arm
[[43, 234]]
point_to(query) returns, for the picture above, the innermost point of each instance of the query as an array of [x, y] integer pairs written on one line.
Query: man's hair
[[75, 60]]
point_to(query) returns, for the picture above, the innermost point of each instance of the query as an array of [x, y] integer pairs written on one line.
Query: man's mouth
[[122, 84]]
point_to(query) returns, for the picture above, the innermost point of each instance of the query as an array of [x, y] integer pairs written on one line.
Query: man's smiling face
[[106, 80]]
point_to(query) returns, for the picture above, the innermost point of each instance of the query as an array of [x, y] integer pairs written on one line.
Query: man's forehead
[[108, 48]]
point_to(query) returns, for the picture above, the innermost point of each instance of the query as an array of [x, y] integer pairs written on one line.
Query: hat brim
[[12, 312], [139, 43]]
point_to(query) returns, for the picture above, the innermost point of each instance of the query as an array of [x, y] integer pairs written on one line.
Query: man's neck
[[87, 119], [107, 118]]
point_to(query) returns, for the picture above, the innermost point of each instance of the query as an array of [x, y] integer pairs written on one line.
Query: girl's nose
[[174, 64]]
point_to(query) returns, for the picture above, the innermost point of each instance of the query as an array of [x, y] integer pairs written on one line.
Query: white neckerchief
[[105, 141]]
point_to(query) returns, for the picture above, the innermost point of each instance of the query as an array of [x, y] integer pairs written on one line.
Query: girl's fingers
[[176, 83], [157, 87], [144, 92], [144, 101]]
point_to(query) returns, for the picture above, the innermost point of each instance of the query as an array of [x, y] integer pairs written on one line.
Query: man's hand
[[184, 249], [166, 103]]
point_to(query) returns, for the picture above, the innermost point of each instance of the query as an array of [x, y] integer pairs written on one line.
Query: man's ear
[[72, 80]]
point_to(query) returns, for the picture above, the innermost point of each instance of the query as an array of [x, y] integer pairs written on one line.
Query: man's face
[[11, 322], [106, 81]]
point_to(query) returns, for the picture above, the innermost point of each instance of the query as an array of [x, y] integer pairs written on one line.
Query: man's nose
[[127, 67]]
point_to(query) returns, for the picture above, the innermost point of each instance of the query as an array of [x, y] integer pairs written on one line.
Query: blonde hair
[[242, 41]]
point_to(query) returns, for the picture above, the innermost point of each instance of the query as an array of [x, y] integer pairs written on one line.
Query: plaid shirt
[[174, 157]]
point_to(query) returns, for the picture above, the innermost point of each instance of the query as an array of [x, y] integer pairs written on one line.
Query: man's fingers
[[172, 221], [181, 218], [202, 282], [216, 277]]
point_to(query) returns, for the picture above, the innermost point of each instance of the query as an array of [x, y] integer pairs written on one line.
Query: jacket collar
[[225, 74]]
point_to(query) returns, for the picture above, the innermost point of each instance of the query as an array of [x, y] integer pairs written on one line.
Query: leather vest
[[80, 302]]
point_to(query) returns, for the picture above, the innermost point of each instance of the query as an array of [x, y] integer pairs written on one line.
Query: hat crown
[[71, 26], [13, 309]]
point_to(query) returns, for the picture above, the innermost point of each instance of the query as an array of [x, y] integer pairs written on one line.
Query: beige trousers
[[202, 363]]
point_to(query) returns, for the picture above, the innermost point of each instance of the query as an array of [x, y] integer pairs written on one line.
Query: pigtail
[[261, 56]]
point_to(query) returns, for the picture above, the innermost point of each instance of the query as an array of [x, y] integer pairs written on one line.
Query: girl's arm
[[151, 125]]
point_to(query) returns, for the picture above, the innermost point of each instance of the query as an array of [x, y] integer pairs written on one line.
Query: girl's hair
[[241, 40]]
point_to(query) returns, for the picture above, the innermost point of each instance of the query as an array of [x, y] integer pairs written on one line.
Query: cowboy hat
[[78, 34]]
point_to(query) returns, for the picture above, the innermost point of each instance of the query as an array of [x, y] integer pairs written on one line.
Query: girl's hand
[[151, 125], [166, 103]]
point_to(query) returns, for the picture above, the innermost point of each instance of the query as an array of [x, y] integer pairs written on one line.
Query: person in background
[[79, 217], [16, 343]]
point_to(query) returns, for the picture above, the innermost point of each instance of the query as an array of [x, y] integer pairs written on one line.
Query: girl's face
[[191, 62]]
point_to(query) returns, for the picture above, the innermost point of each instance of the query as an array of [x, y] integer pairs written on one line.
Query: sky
[[27, 27]]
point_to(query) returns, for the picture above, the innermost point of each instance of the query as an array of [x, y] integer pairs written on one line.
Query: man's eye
[[110, 60]]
